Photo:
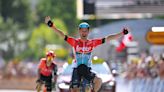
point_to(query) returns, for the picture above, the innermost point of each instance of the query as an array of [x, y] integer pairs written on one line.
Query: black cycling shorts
[[81, 71], [48, 81]]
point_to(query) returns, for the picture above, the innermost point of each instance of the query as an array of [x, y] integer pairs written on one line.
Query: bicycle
[[40, 83], [85, 85]]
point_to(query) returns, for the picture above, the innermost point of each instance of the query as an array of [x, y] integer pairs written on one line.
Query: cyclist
[[47, 72], [82, 51]]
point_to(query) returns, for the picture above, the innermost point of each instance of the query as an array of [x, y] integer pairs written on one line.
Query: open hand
[[47, 18]]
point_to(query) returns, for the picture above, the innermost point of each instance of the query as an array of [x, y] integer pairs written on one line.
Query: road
[[18, 91], [122, 86], [5, 90]]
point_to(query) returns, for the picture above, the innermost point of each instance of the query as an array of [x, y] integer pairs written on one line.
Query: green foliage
[[14, 17], [8, 25], [59, 50], [60, 24], [63, 9], [61, 53], [160, 17], [17, 16], [69, 60], [43, 35], [28, 53], [98, 61], [17, 10], [8, 37]]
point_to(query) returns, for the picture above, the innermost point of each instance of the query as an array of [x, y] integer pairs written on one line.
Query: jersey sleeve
[[70, 40], [97, 42], [55, 69]]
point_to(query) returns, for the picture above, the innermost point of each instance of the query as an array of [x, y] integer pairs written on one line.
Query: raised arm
[[117, 35], [52, 25]]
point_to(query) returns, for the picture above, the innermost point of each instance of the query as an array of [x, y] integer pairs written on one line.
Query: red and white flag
[[125, 40]]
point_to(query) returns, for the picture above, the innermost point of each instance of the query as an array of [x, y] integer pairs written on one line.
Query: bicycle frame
[[85, 85], [41, 86]]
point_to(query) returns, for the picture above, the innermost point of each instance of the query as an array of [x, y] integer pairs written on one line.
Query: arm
[[39, 74], [55, 73], [117, 35], [39, 82], [50, 24], [39, 69]]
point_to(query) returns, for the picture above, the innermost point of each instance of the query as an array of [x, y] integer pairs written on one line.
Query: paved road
[[16, 91], [122, 86]]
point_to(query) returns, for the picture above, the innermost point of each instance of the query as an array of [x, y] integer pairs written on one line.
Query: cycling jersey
[[46, 70], [83, 49]]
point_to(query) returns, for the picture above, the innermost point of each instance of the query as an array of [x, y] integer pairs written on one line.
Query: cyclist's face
[[84, 33], [50, 59]]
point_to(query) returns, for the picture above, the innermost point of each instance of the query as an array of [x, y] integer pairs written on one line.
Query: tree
[[17, 10], [15, 21], [42, 35], [63, 9], [10, 39]]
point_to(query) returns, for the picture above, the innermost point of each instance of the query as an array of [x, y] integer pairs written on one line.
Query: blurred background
[[137, 58]]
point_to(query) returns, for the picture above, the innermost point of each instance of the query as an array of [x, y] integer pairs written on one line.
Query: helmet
[[84, 25], [50, 53]]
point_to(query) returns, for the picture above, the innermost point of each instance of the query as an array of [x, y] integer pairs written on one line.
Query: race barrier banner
[[140, 85]]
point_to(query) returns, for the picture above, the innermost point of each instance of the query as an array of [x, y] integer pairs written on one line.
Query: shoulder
[[42, 60], [54, 64]]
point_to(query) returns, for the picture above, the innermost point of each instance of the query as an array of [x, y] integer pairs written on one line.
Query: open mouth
[[84, 36]]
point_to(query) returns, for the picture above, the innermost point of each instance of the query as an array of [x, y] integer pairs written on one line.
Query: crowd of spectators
[[18, 69], [145, 74], [145, 66]]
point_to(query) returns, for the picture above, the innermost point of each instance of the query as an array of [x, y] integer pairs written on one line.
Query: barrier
[[146, 85], [140, 85]]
